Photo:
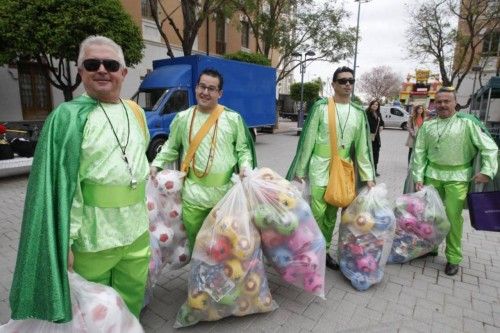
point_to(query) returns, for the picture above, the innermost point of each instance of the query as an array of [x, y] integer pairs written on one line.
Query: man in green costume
[[312, 159], [85, 203], [227, 146], [443, 157]]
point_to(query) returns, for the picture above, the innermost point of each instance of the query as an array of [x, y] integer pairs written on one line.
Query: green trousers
[[453, 194], [325, 214], [192, 218], [123, 268]]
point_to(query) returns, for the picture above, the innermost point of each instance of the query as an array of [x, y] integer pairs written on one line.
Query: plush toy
[[198, 300], [231, 297], [233, 269], [243, 307], [359, 281], [180, 256], [302, 237], [219, 249], [313, 282], [187, 317], [281, 256], [363, 222], [265, 216], [264, 302], [426, 231], [308, 261], [162, 233], [366, 264], [287, 200], [169, 182], [355, 249], [291, 273], [271, 238], [267, 174], [347, 218], [414, 206], [251, 284], [152, 209], [408, 223], [174, 213], [243, 248], [227, 227], [384, 219], [287, 224]]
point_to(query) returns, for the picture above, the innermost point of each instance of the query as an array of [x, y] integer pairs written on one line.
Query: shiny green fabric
[[40, 286], [193, 217], [113, 268], [453, 194], [324, 214], [106, 196], [234, 150], [99, 228], [450, 142], [315, 132]]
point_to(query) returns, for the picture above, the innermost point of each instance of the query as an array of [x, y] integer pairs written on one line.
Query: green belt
[[323, 150], [112, 196], [449, 167], [212, 179]]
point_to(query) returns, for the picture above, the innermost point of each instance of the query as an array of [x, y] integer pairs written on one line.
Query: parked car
[[394, 116]]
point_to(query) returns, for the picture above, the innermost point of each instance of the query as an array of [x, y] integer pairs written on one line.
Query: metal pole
[[356, 47], [473, 93], [300, 121]]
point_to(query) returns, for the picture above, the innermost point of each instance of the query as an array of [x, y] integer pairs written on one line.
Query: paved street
[[414, 297]]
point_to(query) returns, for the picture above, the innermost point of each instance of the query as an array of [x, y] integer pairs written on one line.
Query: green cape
[[293, 167], [40, 286], [493, 185]]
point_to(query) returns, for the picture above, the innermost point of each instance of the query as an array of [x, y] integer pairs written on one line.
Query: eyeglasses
[[92, 65], [345, 81], [210, 89]]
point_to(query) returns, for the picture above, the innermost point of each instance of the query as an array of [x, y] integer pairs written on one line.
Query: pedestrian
[[376, 125], [225, 146], [85, 204], [417, 118], [313, 155], [443, 157]]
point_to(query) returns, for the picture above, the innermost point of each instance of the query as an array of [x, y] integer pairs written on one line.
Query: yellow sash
[[203, 131], [138, 115]]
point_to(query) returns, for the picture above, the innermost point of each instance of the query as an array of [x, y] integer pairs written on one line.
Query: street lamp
[[475, 69], [300, 119], [357, 37]]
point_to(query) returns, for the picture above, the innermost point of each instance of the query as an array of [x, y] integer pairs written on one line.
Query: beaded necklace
[[439, 135], [211, 152]]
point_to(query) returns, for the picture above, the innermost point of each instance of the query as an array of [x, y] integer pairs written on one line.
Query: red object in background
[[3, 129]]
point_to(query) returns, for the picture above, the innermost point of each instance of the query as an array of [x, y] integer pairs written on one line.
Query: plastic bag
[[169, 243], [227, 275], [365, 237], [96, 308], [421, 225], [291, 238]]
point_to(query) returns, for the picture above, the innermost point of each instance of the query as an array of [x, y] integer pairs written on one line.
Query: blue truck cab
[[248, 89]]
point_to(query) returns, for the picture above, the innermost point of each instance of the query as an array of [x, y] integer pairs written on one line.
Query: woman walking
[[376, 124]]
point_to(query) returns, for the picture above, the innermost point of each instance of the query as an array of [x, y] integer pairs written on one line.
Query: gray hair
[[100, 40]]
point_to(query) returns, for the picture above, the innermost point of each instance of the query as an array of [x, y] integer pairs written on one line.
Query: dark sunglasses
[[92, 65], [345, 81]]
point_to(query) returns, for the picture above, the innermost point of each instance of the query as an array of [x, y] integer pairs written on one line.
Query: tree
[[311, 92], [431, 34], [194, 13], [380, 83], [50, 32], [253, 58], [297, 26]]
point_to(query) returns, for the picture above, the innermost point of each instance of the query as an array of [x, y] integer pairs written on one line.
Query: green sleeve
[[309, 140], [419, 160], [243, 152], [76, 215], [487, 149], [171, 149]]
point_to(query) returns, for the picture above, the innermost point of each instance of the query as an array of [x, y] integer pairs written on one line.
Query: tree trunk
[[68, 93]]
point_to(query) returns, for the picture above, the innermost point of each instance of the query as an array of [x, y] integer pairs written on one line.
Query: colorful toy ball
[[364, 222], [233, 269], [313, 283], [251, 285], [219, 249], [281, 256], [426, 231], [198, 300], [367, 264]]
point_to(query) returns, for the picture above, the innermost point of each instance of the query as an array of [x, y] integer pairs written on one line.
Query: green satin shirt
[[445, 150], [231, 150], [351, 130], [95, 229]]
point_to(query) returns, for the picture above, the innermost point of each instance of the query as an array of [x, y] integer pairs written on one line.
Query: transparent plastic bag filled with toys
[[365, 237], [421, 225], [227, 275], [96, 309], [169, 243], [291, 238]]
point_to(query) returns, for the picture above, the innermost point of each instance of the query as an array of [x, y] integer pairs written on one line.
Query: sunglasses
[[92, 65], [345, 81]]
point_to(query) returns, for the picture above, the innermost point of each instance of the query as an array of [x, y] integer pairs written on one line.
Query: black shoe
[[377, 174], [330, 263], [451, 269]]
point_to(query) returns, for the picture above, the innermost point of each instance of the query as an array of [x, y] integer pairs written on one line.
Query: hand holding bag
[[340, 191]]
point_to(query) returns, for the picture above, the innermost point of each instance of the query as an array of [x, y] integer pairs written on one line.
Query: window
[[220, 34], [396, 112], [245, 34], [178, 101], [34, 88], [146, 8], [490, 43]]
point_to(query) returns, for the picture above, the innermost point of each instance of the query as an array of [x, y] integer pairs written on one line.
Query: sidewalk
[[414, 297]]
